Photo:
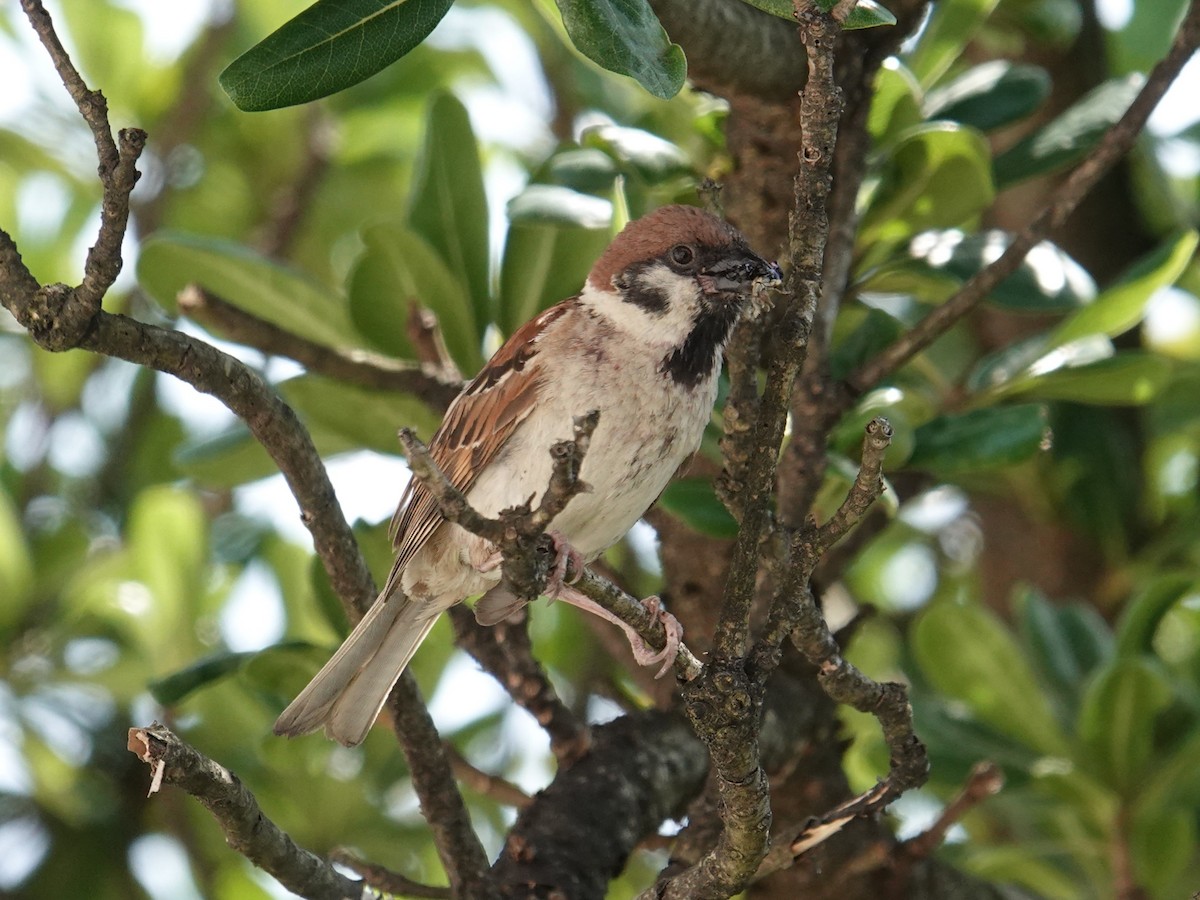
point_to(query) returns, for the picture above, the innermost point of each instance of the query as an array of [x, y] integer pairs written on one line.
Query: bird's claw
[[645, 655]]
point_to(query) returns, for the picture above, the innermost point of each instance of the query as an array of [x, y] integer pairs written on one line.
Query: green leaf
[[981, 439], [966, 653], [1069, 137], [170, 690], [652, 158], [581, 169], [624, 36], [895, 104], [328, 47], [1142, 614], [16, 566], [1116, 721], [868, 14], [1122, 305], [951, 26], [549, 251], [937, 176], [1048, 280], [693, 501], [363, 416], [1066, 641], [168, 544], [396, 269], [1131, 378], [169, 261], [449, 207], [1162, 845], [990, 95]]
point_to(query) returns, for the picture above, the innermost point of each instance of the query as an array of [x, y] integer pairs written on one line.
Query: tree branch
[[59, 318], [1116, 143], [354, 366], [246, 828], [385, 880]]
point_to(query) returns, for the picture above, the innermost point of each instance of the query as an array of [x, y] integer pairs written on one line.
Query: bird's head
[[678, 278]]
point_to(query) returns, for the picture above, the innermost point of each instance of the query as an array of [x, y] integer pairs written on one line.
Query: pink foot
[[642, 652]]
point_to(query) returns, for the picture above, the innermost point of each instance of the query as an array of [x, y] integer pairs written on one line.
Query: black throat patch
[[694, 361]]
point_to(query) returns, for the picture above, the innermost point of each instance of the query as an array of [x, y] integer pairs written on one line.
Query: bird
[[642, 343]]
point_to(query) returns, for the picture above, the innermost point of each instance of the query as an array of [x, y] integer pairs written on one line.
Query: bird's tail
[[347, 694]]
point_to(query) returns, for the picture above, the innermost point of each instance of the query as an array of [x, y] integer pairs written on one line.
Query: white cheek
[[669, 327]]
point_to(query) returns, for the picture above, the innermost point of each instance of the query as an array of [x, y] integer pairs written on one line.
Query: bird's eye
[[681, 254]]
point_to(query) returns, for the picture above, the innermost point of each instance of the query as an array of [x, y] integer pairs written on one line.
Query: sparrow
[[642, 343]]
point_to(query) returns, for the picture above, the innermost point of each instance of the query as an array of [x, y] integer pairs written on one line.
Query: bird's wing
[[477, 425]]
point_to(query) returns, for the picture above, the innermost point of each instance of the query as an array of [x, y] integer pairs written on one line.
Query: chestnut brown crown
[[654, 234]]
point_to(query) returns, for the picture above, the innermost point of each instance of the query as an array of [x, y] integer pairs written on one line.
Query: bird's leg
[[642, 652]]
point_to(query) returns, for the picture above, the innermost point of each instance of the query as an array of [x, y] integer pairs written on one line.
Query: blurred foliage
[[139, 579]]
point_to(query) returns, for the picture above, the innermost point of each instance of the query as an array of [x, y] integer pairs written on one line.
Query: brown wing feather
[[477, 425]]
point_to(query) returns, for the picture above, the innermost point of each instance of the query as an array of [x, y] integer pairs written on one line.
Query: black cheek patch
[[635, 291]]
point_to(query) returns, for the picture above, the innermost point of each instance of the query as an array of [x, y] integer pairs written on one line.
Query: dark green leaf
[[398, 268], [327, 48], [1131, 378], [1142, 615], [1122, 305], [449, 206], [999, 368], [693, 501], [990, 95], [170, 690], [1048, 280], [1116, 721], [1066, 643], [966, 653], [876, 331], [981, 439], [169, 261], [937, 176], [16, 566], [624, 36], [581, 169], [1069, 137]]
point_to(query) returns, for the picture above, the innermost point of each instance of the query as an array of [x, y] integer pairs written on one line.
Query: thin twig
[[504, 653], [1116, 143], [246, 828], [986, 779], [353, 366], [499, 789], [385, 880]]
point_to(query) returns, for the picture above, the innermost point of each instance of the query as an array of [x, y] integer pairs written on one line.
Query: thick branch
[[246, 828], [354, 366], [820, 109], [1116, 143]]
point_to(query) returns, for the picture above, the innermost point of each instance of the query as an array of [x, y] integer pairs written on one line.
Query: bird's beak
[[744, 273]]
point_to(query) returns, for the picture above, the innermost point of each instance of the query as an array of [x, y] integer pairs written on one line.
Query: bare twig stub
[[245, 826]]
